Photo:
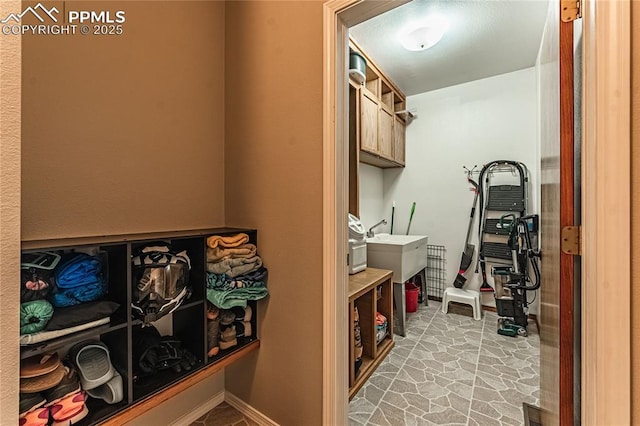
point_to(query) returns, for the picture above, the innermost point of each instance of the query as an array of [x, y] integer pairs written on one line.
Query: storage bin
[[411, 292]]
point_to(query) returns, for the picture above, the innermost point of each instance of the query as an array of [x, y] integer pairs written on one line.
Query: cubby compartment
[[186, 324], [373, 82], [370, 291], [98, 409], [181, 322], [386, 95]]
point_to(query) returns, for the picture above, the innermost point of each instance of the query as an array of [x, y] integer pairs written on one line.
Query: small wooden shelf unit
[[188, 322], [370, 291]]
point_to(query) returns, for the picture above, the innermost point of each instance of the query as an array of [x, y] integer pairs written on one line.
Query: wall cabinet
[[381, 135], [399, 128], [368, 121], [188, 323], [371, 292]]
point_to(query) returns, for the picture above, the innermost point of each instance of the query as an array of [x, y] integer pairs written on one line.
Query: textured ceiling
[[484, 38]]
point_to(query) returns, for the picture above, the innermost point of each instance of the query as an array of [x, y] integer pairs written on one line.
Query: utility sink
[[405, 255]]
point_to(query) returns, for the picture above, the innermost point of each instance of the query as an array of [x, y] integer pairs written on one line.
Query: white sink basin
[[405, 255]]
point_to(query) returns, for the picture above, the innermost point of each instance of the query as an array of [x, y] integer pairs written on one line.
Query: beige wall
[[273, 168], [124, 134], [183, 405], [9, 218], [120, 134], [635, 211]]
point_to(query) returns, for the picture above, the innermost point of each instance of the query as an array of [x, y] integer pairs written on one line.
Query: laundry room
[[444, 126]]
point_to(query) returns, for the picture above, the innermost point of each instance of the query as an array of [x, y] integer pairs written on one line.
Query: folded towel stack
[[234, 271]]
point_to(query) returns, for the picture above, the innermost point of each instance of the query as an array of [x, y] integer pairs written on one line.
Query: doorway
[[468, 110], [353, 12]]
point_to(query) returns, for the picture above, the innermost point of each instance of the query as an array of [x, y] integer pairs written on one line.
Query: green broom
[[413, 209]]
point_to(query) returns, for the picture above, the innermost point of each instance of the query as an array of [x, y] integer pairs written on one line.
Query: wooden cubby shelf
[[370, 291], [188, 323]]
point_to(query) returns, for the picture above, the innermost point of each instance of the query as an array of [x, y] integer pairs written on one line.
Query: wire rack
[[436, 271]]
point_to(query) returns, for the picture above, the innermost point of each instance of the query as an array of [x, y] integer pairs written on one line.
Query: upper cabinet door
[[368, 121], [385, 132], [398, 140]]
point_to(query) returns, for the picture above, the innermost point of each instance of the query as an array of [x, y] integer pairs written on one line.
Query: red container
[[411, 293]]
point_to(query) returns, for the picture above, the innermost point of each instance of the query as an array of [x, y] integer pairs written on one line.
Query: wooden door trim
[[606, 214], [605, 210], [334, 237], [338, 15], [567, 218]]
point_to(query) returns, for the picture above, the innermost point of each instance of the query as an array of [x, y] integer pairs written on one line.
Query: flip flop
[[92, 361], [43, 382], [111, 392], [38, 365]]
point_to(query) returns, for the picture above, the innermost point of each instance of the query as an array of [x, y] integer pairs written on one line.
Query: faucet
[[370, 233]]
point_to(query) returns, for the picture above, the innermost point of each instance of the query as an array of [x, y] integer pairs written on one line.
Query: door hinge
[[570, 10], [570, 240]]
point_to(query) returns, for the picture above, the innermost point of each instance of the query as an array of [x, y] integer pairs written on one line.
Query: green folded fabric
[[227, 299], [34, 316]]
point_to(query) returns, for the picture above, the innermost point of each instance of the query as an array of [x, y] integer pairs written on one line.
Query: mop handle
[[413, 209]]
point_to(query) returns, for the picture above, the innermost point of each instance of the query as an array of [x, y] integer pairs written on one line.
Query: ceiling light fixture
[[424, 34]]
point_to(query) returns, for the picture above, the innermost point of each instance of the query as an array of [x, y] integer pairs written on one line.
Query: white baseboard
[[194, 415], [248, 410]]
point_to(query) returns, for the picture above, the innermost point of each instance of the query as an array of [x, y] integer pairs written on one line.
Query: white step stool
[[468, 297]]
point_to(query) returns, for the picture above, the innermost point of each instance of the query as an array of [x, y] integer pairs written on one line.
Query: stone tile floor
[[451, 370]]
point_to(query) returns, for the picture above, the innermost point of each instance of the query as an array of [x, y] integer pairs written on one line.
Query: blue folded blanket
[[79, 278], [77, 270]]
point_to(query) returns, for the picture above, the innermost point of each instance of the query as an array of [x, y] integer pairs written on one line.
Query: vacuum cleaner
[[512, 283]]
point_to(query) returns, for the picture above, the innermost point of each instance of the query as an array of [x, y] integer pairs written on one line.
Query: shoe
[[68, 410], [228, 333], [37, 416], [243, 328], [227, 317], [92, 361], [213, 332], [111, 392], [242, 314], [228, 344], [228, 338], [32, 410], [213, 312], [69, 384]]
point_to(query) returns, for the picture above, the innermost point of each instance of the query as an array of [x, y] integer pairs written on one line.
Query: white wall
[[371, 198], [468, 124]]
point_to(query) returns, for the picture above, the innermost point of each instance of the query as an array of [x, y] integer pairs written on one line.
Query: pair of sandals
[[50, 393]]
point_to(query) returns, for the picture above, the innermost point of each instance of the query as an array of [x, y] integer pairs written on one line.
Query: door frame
[[606, 210], [606, 213]]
